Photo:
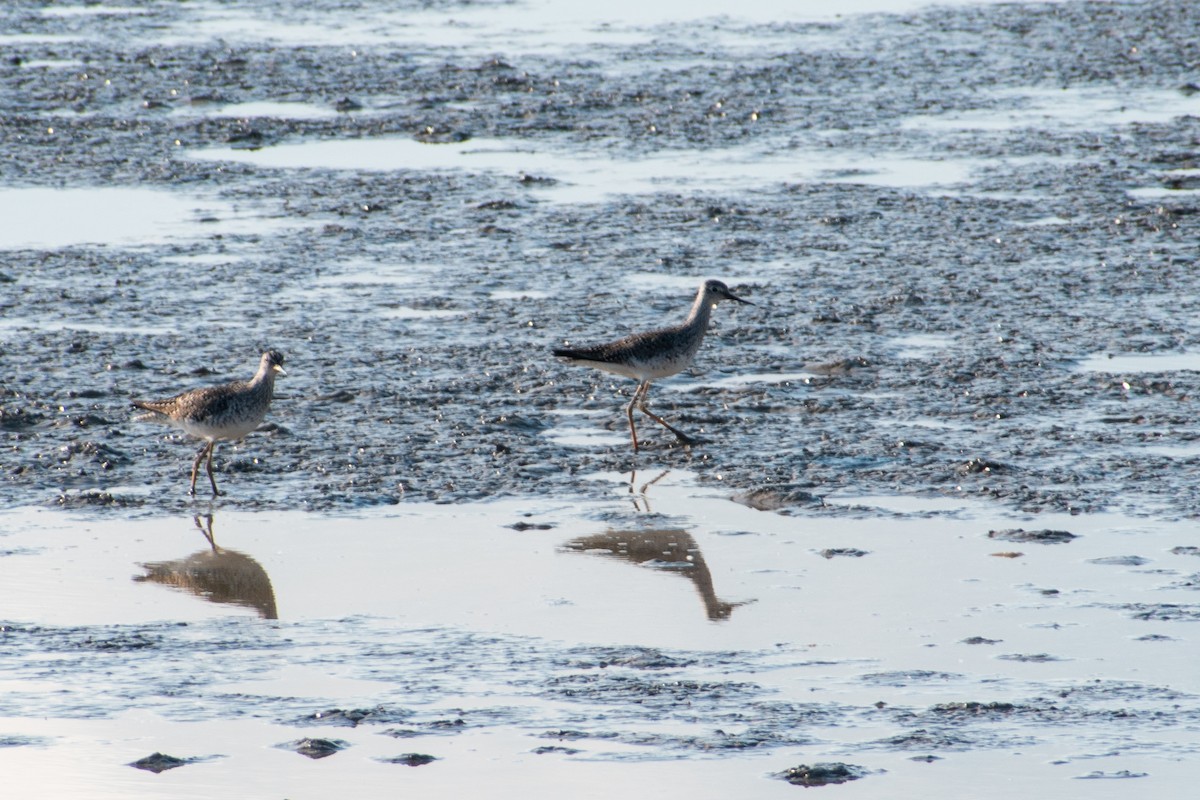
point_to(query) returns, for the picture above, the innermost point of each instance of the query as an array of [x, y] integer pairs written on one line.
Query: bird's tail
[[153, 412]]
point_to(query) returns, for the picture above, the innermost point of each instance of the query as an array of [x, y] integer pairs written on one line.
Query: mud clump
[[1036, 537], [553, 748], [1120, 561], [410, 759], [94, 498], [775, 498], [159, 762], [352, 718], [973, 709], [316, 748], [822, 774], [842, 552], [982, 466]]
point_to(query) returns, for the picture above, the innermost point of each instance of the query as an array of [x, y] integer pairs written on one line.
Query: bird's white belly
[[638, 370], [233, 430]]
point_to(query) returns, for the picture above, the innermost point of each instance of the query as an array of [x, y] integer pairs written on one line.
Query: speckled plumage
[[654, 354], [218, 413]]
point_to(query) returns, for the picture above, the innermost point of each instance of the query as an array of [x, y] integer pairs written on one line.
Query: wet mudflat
[[969, 230]]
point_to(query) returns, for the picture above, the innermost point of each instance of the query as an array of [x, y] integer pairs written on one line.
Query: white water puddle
[[529, 26], [569, 429], [51, 63], [518, 294], [121, 216], [1044, 222], [1175, 176], [367, 274], [1065, 108], [1162, 193], [37, 38], [920, 345], [595, 175], [1182, 450], [1118, 363], [686, 285], [419, 313], [586, 438], [44, 324], [276, 109], [906, 504], [746, 380], [90, 10], [299, 680]]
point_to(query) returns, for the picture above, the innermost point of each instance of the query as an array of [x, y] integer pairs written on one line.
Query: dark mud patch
[[972, 709], [410, 759], [940, 740], [1161, 612], [352, 718], [161, 762], [822, 774], [315, 748], [1120, 561], [842, 552], [1118, 775], [555, 749], [776, 498], [1029, 658], [1038, 537], [23, 741], [431, 727]]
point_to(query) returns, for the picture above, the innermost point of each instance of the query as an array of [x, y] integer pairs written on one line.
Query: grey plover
[[218, 413], [655, 354]]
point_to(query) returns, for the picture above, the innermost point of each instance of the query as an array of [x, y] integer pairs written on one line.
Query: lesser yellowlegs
[[219, 413], [655, 354]]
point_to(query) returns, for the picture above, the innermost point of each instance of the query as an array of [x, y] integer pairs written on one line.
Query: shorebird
[[218, 413], [655, 354]]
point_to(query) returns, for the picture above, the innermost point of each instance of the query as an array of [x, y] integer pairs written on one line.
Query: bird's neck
[[264, 380], [701, 311]]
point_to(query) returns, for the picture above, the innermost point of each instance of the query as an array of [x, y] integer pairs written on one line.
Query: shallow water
[[850, 643], [122, 217], [971, 249]]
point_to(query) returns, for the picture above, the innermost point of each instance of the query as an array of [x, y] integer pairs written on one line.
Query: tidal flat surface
[[941, 525]]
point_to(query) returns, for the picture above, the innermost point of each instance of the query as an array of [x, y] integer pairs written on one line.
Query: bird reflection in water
[[641, 501], [218, 575], [669, 550]]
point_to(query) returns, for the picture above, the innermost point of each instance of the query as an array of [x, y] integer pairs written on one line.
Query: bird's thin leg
[[212, 446], [637, 395], [680, 435], [196, 465]]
